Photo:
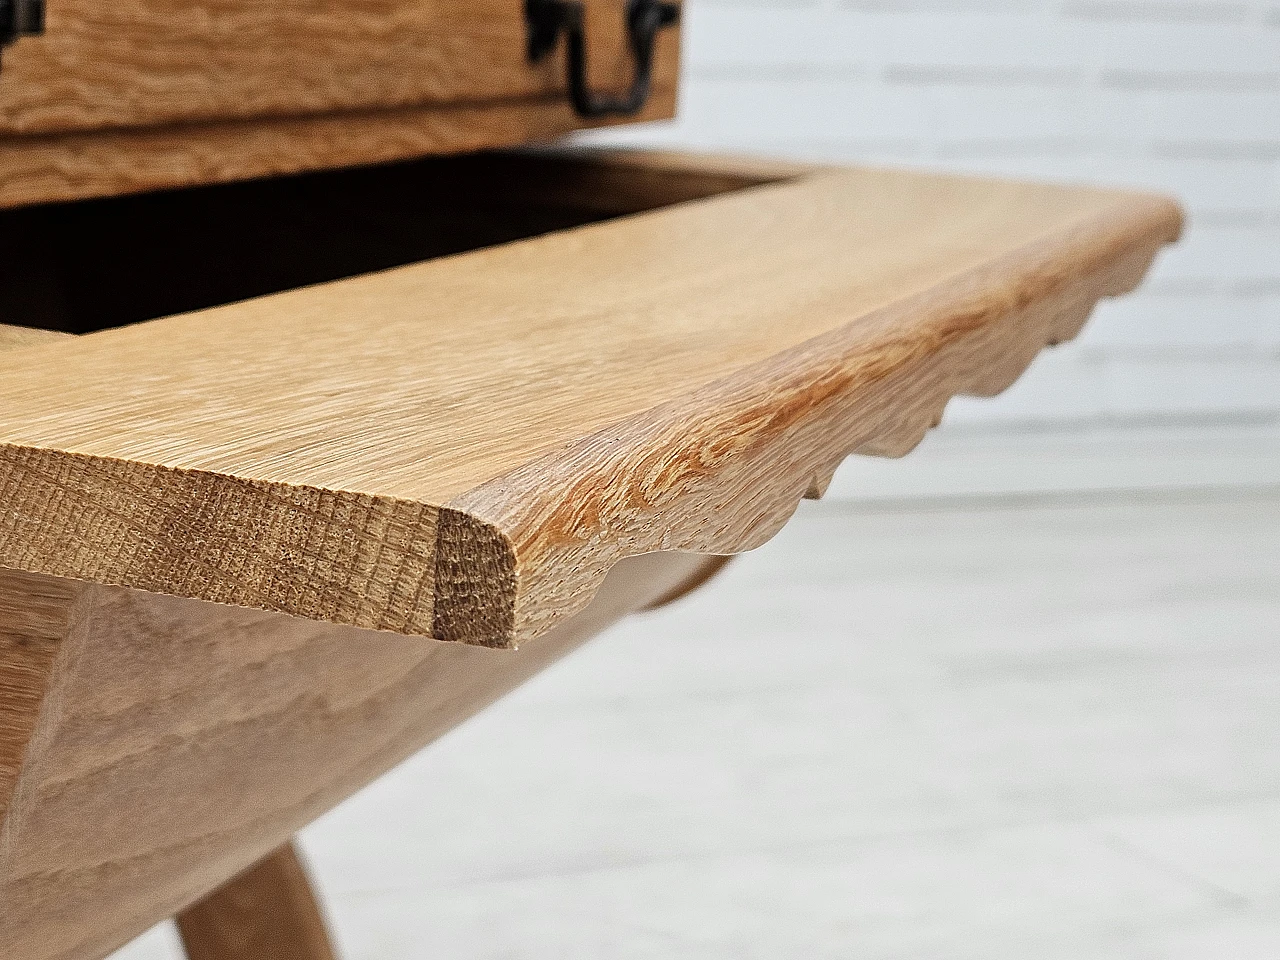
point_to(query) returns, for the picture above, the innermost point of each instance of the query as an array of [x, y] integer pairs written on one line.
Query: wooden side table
[[257, 554], [298, 473]]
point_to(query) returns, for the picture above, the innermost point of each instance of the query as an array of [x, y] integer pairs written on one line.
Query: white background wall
[[1178, 95]]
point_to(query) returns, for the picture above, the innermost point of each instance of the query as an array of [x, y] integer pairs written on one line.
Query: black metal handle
[[548, 19], [20, 18]]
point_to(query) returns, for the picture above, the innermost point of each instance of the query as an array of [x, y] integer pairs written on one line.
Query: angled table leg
[[269, 912]]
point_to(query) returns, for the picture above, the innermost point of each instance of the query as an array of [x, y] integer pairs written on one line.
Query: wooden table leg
[[269, 912]]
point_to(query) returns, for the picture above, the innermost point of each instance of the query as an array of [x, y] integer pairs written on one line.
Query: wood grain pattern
[[35, 616], [462, 448], [173, 743], [154, 63], [268, 912], [75, 166], [11, 336]]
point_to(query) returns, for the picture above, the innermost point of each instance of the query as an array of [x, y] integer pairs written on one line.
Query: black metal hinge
[[548, 19], [20, 18]]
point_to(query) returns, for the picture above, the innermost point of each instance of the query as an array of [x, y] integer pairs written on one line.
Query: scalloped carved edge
[[722, 471]]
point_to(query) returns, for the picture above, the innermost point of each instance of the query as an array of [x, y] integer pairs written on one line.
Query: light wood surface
[[11, 337], [268, 912], [152, 747], [463, 448]]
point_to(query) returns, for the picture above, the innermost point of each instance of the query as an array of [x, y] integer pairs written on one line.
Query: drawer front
[[138, 63]]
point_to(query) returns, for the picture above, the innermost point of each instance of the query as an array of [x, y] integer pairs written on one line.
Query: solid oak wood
[[151, 63], [78, 165], [32, 623], [268, 912], [144, 94], [11, 336], [489, 448], [152, 747], [178, 743], [463, 448]]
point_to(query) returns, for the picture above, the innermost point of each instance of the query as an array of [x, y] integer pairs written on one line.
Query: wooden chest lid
[[143, 94]]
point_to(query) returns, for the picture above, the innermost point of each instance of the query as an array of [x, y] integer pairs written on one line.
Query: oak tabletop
[[462, 448]]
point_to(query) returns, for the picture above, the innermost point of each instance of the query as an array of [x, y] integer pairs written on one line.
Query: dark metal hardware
[[548, 19], [20, 18]]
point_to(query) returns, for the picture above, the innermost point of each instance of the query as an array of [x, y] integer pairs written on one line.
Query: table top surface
[[461, 448]]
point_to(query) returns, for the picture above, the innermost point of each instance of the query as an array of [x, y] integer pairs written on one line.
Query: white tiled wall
[[1178, 95]]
